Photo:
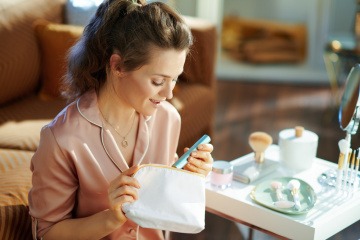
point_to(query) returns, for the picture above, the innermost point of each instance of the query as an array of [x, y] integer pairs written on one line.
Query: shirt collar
[[88, 107]]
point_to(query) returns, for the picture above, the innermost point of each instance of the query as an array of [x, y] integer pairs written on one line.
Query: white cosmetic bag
[[169, 199]]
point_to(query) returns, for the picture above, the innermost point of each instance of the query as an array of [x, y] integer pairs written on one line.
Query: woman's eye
[[163, 81], [158, 82]]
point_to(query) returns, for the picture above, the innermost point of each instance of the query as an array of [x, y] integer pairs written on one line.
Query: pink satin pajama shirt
[[77, 159]]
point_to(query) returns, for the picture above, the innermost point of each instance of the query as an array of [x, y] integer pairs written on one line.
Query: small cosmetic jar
[[298, 148], [221, 174]]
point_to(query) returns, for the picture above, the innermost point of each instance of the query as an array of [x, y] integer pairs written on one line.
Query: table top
[[333, 211]]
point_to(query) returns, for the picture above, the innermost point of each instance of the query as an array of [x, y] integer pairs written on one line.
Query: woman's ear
[[115, 64]]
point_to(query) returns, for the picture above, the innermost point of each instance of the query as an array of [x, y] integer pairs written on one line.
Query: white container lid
[[222, 167], [290, 135]]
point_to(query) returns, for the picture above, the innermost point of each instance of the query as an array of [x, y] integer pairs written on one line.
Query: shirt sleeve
[[52, 196]]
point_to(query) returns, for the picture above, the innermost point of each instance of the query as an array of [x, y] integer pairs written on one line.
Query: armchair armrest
[[200, 64]]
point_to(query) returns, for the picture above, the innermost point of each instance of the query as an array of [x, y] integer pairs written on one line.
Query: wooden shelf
[[315, 14], [228, 69]]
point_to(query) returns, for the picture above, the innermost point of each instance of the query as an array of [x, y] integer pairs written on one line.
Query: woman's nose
[[167, 91]]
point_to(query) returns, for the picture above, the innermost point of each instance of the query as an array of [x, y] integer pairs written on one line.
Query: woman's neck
[[121, 119], [113, 109]]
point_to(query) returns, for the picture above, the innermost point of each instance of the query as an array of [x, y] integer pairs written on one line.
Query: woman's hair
[[130, 28]]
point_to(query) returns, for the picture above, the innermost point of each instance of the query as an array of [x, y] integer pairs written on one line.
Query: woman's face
[[149, 86]]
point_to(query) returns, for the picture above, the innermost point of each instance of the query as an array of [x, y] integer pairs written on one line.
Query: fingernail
[[193, 154], [201, 147]]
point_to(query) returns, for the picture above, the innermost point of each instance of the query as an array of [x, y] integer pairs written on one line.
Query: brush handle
[[296, 197], [339, 177], [346, 177], [356, 180], [279, 194], [356, 172], [342, 170], [259, 142]]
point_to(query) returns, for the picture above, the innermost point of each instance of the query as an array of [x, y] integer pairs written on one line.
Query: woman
[[120, 74]]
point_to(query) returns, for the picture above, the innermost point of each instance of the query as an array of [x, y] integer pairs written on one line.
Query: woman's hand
[[200, 161], [121, 190]]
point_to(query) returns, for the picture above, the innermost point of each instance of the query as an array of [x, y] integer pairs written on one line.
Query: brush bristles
[[294, 184], [259, 141], [343, 145], [276, 184]]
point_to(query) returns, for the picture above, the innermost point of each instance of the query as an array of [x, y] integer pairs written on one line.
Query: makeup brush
[[259, 142], [344, 148], [294, 186], [351, 167], [280, 202], [277, 186], [346, 172], [357, 163]]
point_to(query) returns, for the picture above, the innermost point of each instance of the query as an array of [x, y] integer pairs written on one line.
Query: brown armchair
[[195, 95]]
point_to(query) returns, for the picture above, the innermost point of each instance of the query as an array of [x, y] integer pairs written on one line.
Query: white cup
[[298, 148]]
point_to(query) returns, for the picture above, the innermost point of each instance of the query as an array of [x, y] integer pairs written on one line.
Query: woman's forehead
[[167, 61]]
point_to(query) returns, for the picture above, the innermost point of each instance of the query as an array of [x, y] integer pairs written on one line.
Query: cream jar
[[221, 174], [298, 148]]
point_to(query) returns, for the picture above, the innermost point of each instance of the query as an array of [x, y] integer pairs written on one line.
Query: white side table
[[331, 213]]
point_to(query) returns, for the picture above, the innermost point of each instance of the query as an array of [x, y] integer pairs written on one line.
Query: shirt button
[[132, 232]]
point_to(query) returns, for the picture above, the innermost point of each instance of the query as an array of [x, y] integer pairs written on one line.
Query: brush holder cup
[[298, 148]]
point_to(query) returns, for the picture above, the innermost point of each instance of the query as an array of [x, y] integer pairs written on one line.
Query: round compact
[[222, 174]]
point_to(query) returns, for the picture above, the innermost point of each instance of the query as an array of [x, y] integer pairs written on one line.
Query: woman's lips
[[155, 101]]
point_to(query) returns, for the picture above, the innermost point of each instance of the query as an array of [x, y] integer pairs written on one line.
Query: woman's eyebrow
[[162, 75], [165, 76]]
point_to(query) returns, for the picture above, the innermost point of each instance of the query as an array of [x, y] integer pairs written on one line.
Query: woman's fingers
[[131, 170], [200, 161], [206, 147], [125, 179], [123, 189], [118, 202], [205, 156], [199, 165], [192, 168]]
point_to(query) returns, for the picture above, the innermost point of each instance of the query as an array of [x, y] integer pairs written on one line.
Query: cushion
[[21, 121], [23, 135], [54, 41], [15, 183], [19, 53]]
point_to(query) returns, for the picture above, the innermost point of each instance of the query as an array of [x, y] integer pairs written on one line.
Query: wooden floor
[[245, 107]]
